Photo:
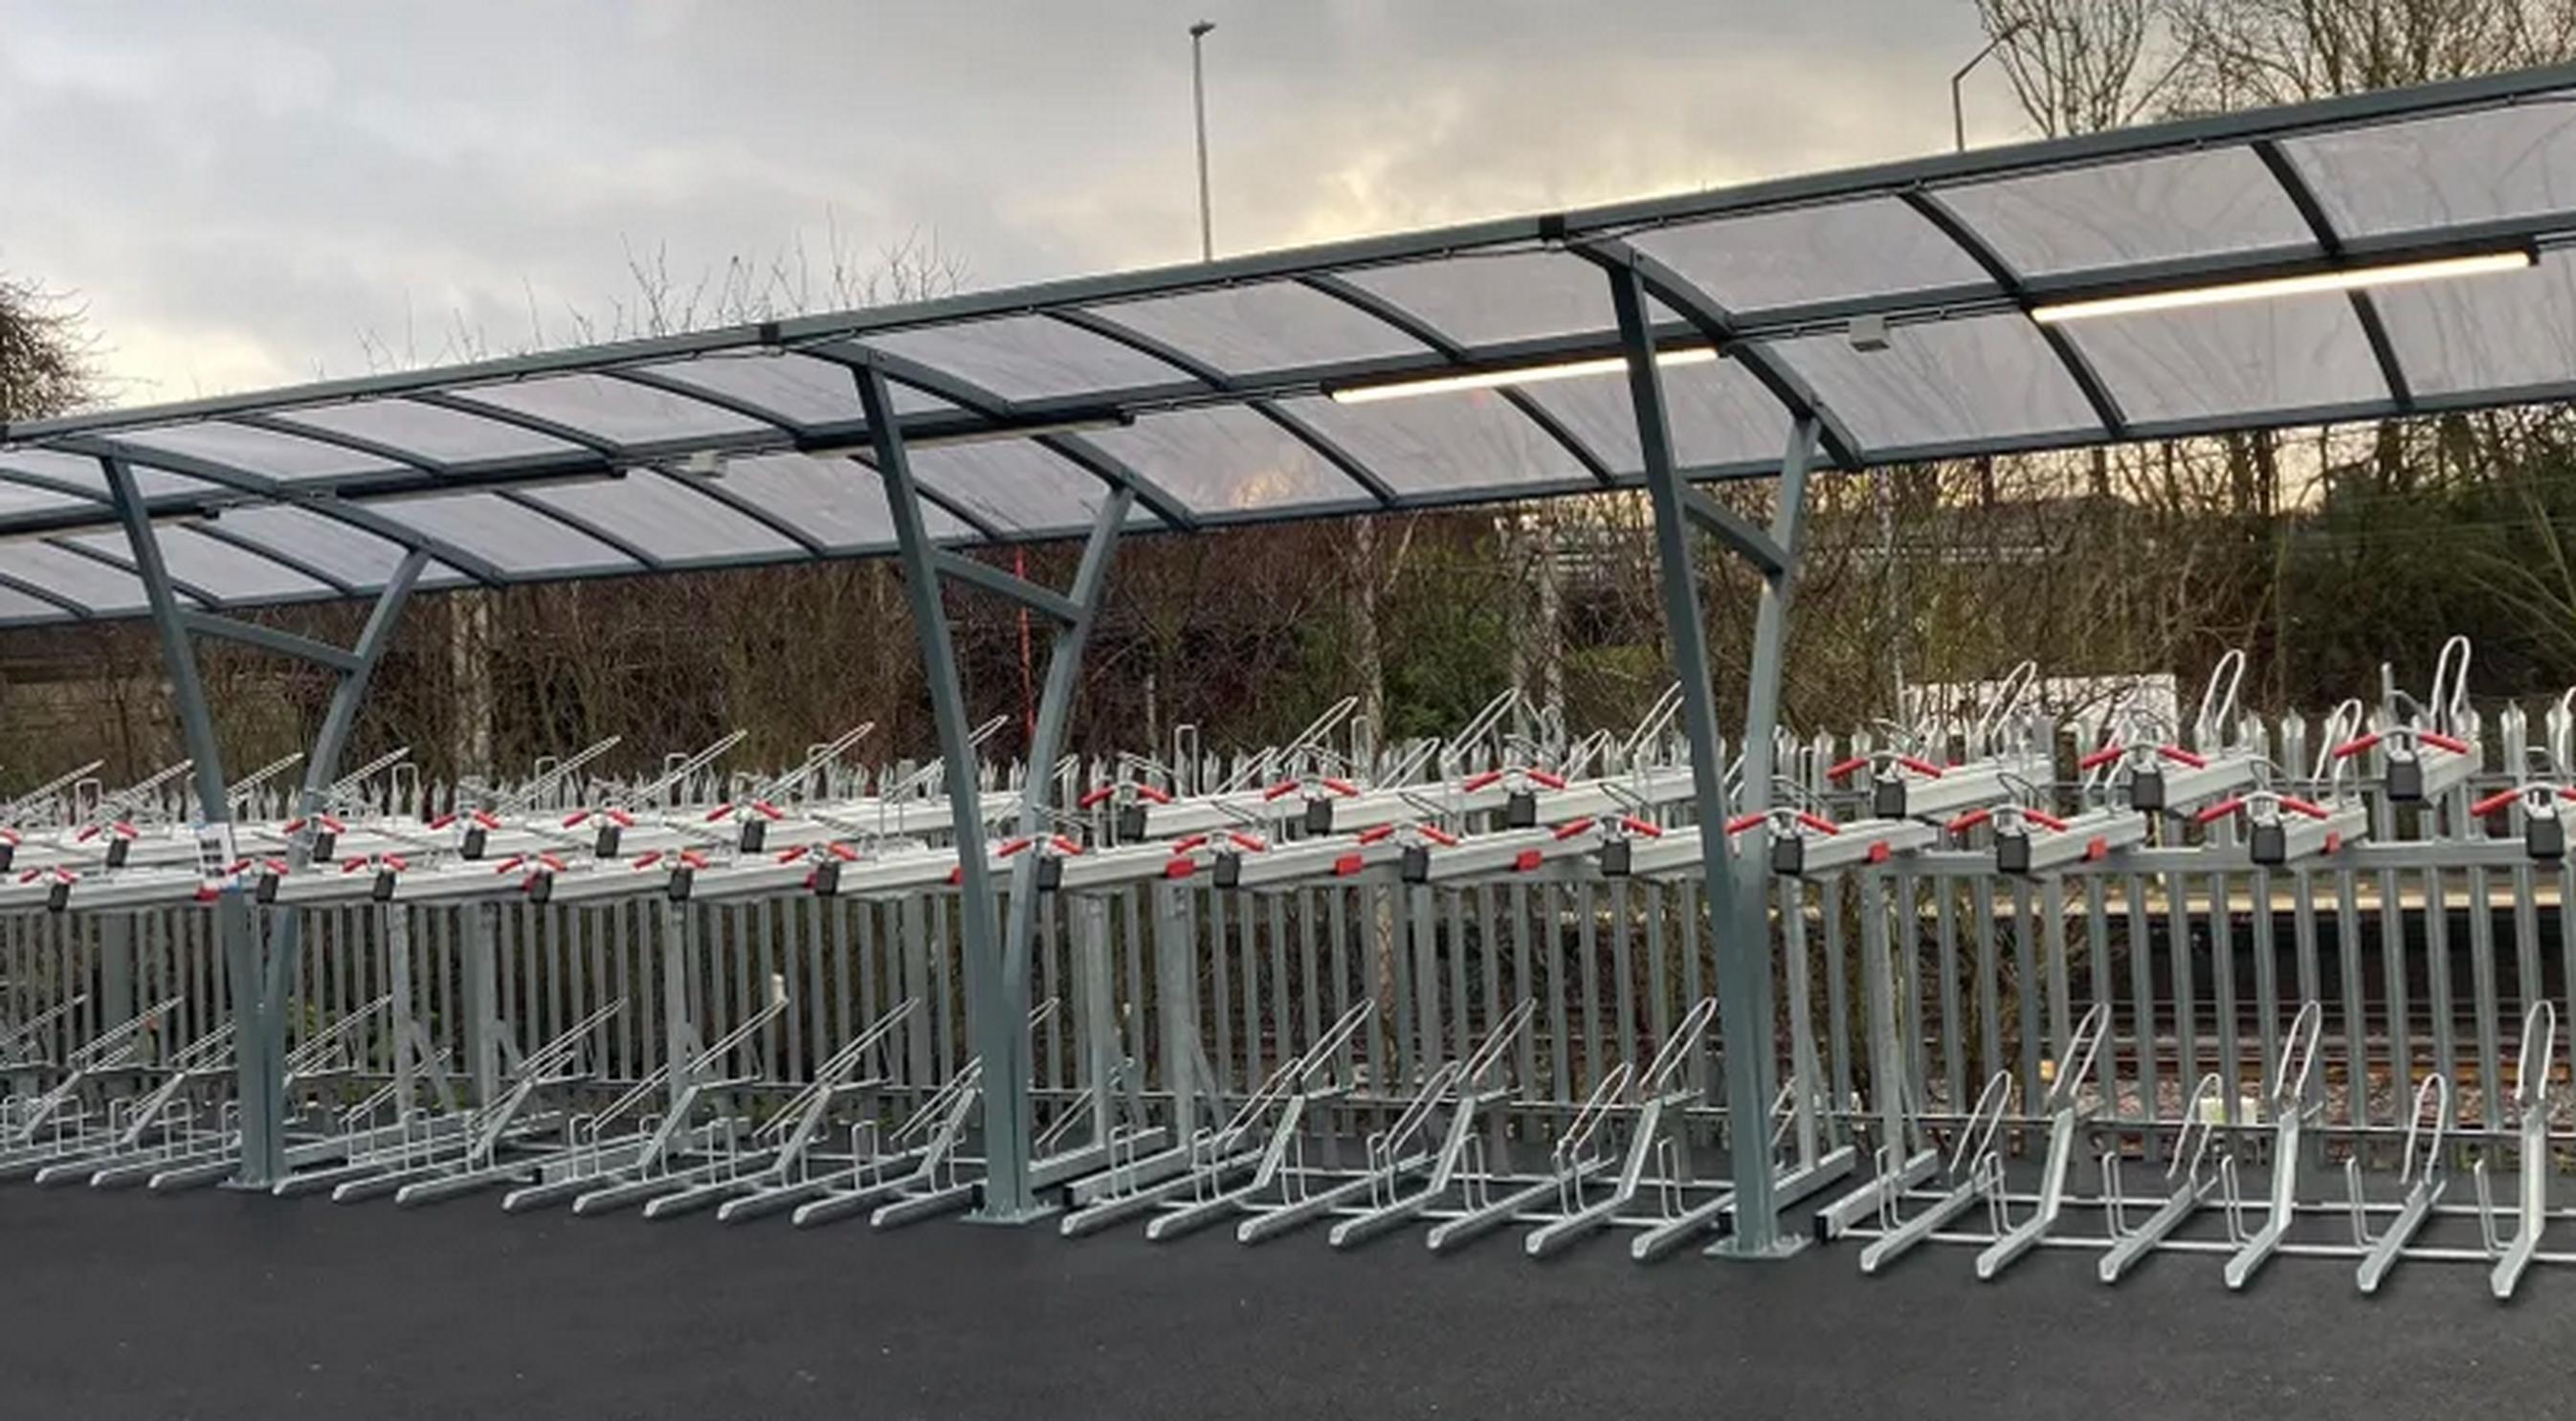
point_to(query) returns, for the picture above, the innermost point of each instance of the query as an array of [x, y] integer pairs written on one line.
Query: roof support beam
[[1717, 325], [1019, 589], [2294, 186], [283, 643], [1735, 903], [2079, 367], [1733, 529]]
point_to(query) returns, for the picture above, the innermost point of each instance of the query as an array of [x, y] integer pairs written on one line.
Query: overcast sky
[[265, 191]]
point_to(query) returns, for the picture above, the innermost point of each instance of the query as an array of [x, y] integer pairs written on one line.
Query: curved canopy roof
[[1223, 392]]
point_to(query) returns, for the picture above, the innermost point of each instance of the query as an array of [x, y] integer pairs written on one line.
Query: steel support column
[[997, 956], [321, 768], [260, 979], [1735, 908], [235, 932]]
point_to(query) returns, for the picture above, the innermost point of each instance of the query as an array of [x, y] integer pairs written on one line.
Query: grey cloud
[[245, 193]]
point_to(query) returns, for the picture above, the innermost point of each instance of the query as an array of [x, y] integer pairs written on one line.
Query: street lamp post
[[1198, 104], [1958, 111]]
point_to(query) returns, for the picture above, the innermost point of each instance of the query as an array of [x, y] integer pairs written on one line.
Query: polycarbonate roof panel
[[1499, 298], [839, 503], [2493, 333], [1030, 357], [224, 572], [2297, 353], [256, 451], [1230, 460], [520, 541], [1814, 255], [1789, 265], [620, 412], [327, 545], [1462, 444], [1721, 417], [1276, 325], [91, 583], [442, 436], [2128, 214], [666, 519], [1021, 488], [83, 472], [1941, 383], [2445, 172], [799, 389]]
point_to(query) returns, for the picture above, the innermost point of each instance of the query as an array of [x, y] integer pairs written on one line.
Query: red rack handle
[[1635, 825], [1093, 799], [719, 812], [1969, 820], [2045, 820], [2350, 748], [1344, 788], [1376, 835], [1546, 777], [1474, 783], [1191, 844], [1572, 827], [2180, 756], [1920, 766], [1819, 823], [2452, 743], [573, 820], [1742, 822], [1249, 843], [1437, 835], [1279, 791], [1151, 795], [2221, 810], [2101, 757], [1838, 771], [2494, 802], [2302, 806]]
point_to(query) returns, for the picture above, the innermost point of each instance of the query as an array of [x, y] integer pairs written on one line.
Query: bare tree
[[46, 351], [2242, 53], [2081, 66]]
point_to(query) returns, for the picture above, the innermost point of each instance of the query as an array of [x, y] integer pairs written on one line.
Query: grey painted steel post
[[1743, 962], [255, 1072], [321, 767], [1046, 744], [997, 976]]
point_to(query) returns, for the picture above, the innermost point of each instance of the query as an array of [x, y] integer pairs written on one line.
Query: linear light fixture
[[1523, 375], [2349, 279]]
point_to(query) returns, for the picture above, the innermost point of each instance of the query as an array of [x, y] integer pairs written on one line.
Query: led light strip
[[2354, 279], [1525, 375]]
